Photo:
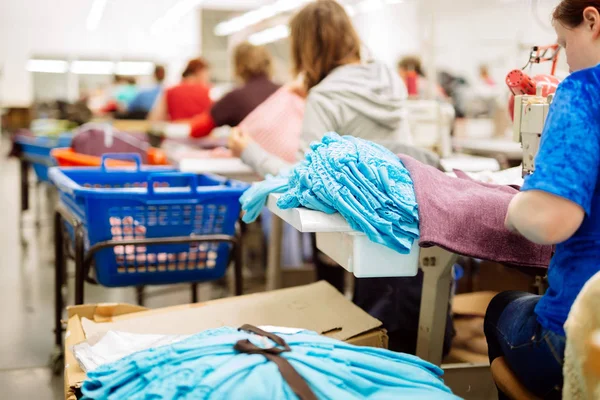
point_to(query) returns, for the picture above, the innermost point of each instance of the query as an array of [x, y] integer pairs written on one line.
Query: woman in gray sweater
[[345, 95], [350, 97]]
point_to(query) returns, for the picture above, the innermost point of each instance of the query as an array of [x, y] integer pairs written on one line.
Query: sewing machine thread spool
[[520, 83]]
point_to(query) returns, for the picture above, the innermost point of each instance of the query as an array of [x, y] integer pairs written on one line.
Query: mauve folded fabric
[[467, 217], [93, 143]]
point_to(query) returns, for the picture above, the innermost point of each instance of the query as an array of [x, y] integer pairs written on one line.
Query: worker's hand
[[238, 141]]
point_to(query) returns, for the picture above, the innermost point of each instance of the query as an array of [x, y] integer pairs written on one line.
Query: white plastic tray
[[351, 249]]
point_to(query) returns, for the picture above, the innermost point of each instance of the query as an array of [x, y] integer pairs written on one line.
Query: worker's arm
[[159, 110], [544, 218], [202, 125], [556, 198]]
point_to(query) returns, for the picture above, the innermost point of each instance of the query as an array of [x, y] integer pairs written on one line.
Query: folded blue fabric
[[206, 366], [363, 181]]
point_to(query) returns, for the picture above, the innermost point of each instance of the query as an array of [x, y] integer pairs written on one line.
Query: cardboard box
[[318, 307]]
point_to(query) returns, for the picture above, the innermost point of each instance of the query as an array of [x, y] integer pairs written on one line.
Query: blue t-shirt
[[567, 166], [144, 101]]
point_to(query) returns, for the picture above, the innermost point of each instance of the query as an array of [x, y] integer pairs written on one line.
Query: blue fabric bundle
[[206, 366], [363, 181]]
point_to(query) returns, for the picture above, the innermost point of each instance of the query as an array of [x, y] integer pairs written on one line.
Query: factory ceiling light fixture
[[253, 17], [47, 66], [269, 35], [134, 68], [173, 15], [93, 67], [279, 32], [95, 14], [263, 13]]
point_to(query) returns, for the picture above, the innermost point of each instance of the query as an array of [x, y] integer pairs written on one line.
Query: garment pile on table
[[249, 363], [363, 181]]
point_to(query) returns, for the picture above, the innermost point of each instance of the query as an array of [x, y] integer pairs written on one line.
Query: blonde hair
[[322, 39], [252, 61]]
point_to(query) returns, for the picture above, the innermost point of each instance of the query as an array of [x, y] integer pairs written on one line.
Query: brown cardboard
[[472, 304], [318, 307]]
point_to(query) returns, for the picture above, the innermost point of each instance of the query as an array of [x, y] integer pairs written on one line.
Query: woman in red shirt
[[188, 99]]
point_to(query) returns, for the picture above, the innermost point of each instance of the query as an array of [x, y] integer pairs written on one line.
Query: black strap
[[289, 374]]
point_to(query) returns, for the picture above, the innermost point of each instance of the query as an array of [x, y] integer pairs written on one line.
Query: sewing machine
[[530, 117], [532, 99]]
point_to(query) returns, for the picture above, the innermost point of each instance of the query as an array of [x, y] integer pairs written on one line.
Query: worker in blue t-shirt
[[145, 99], [559, 204]]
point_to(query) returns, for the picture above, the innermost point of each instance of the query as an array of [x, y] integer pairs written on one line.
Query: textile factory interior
[[300, 199]]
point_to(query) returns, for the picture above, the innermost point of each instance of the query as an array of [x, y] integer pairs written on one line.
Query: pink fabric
[[276, 124], [466, 217]]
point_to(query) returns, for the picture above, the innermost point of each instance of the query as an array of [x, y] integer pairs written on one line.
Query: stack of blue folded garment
[[206, 366], [363, 181]]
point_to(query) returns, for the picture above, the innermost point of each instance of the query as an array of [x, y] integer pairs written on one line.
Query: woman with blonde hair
[[253, 66], [351, 97]]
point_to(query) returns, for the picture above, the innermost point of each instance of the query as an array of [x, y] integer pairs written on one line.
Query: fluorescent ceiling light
[[174, 15], [48, 66], [255, 16], [95, 15], [269, 35], [93, 67], [134, 68]]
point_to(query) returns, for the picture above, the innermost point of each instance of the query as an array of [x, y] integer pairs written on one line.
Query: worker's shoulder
[[586, 79]]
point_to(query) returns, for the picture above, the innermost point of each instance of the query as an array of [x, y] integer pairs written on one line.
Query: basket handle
[[121, 156], [190, 180]]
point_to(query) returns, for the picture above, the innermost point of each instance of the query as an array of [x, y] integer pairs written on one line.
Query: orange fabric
[[202, 125], [66, 157]]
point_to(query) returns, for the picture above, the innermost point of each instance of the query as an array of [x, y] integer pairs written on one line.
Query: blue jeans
[[533, 353]]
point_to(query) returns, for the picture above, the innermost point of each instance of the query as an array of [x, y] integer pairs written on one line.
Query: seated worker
[[351, 97], [188, 99], [141, 105], [411, 72], [559, 204], [253, 67]]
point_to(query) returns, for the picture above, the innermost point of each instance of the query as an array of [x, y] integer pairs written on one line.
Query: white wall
[[498, 33], [35, 28], [390, 32]]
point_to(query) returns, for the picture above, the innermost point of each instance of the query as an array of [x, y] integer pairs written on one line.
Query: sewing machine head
[[530, 114], [532, 99]]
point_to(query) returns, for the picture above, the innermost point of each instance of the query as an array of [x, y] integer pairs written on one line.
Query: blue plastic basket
[[151, 202], [36, 150]]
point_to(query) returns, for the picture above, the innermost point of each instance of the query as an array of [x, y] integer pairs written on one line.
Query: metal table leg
[[79, 265], [274, 254], [437, 267], [59, 278], [24, 189], [238, 264], [24, 184]]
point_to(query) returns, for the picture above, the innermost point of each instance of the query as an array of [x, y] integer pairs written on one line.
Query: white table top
[[468, 163], [232, 168], [506, 147]]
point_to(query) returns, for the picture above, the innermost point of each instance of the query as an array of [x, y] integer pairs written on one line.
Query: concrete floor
[[26, 292]]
